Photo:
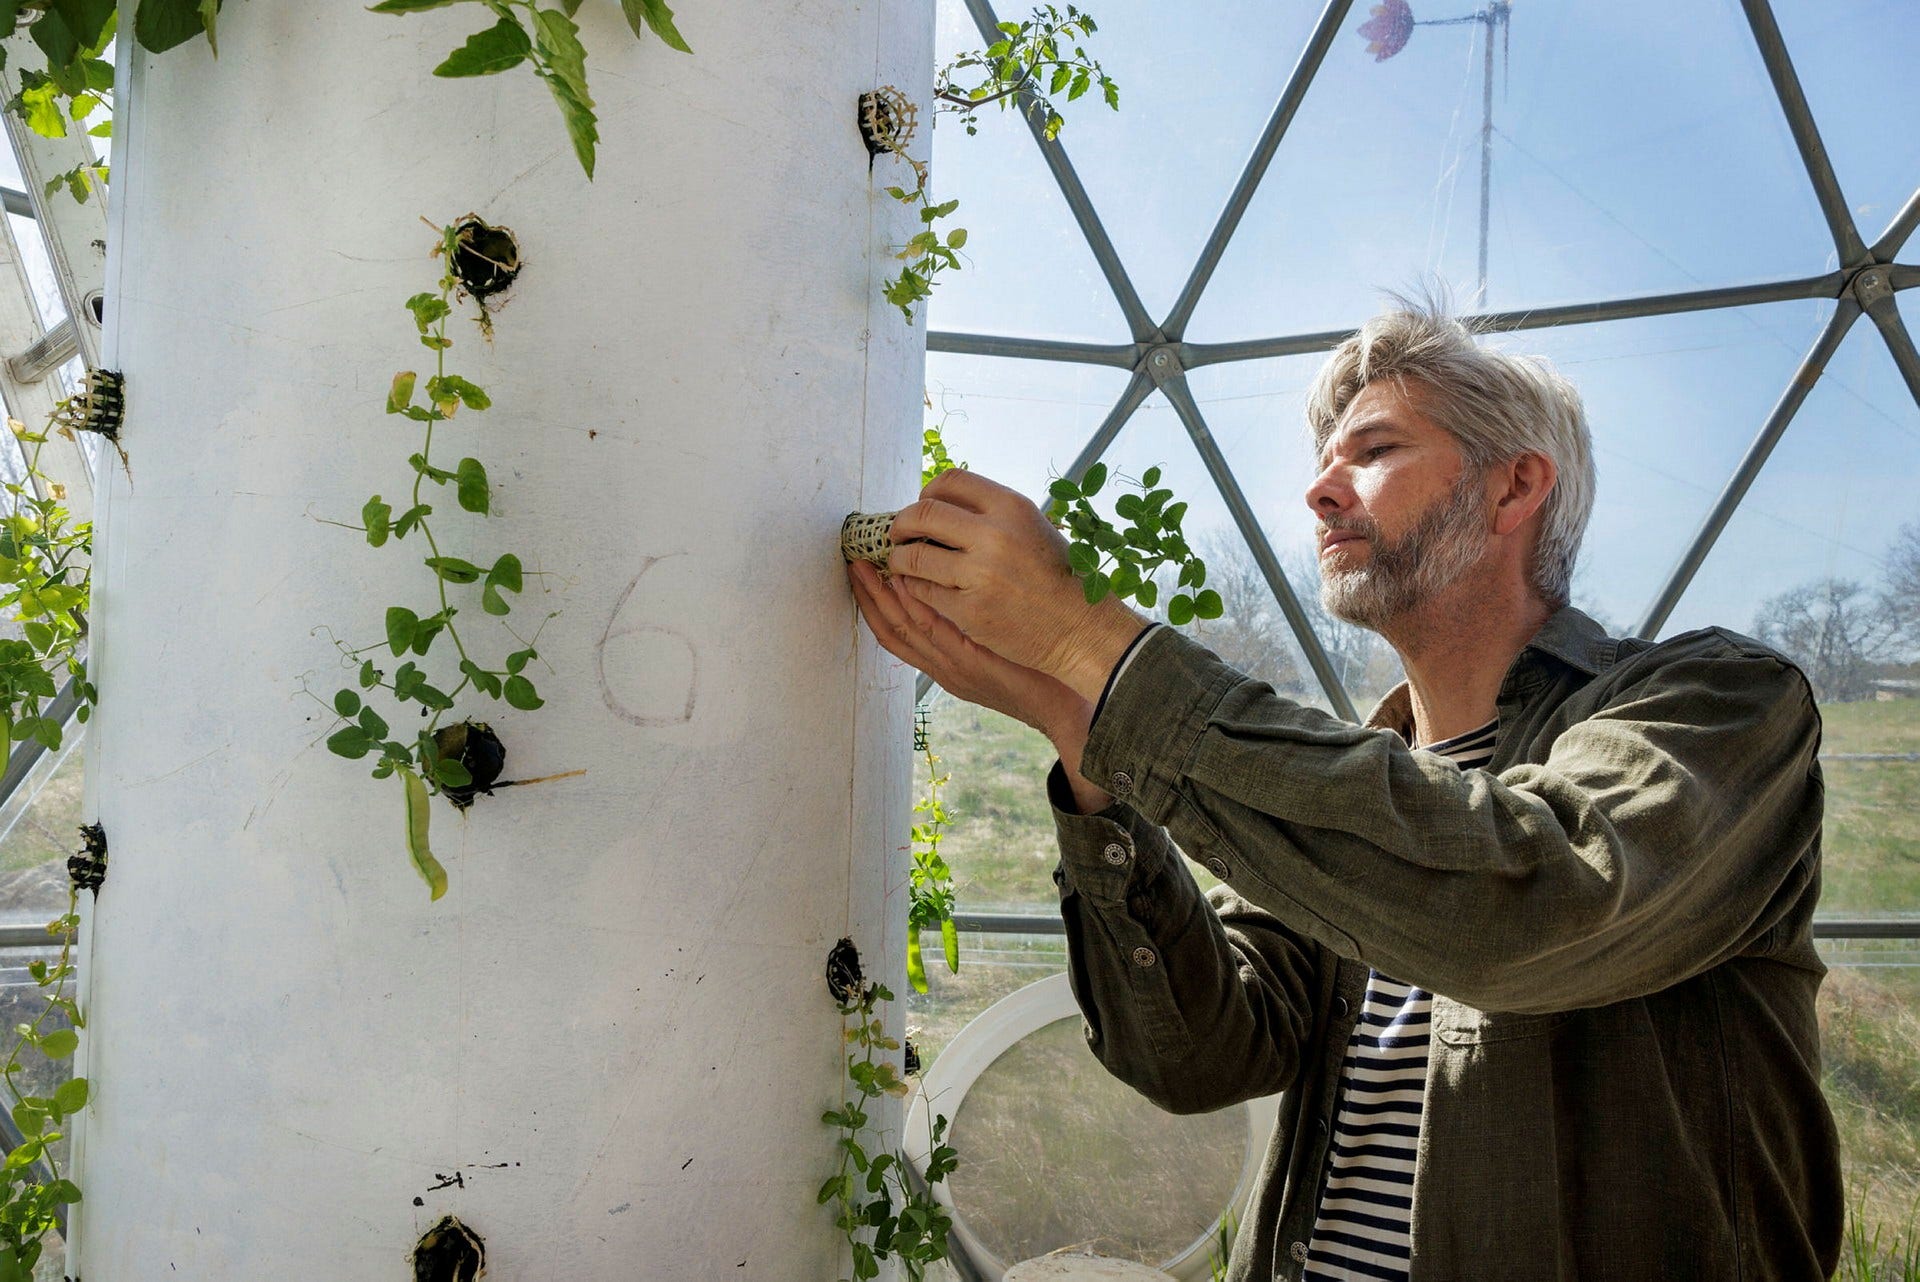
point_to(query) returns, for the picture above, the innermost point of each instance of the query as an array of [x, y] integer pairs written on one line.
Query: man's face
[[1401, 515]]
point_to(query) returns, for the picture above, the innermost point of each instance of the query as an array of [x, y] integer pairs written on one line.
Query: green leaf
[[1147, 593], [62, 1191], [1095, 586], [453, 569], [957, 238], [1095, 478], [471, 479], [518, 660], [417, 818], [1208, 605], [1083, 558], [506, 572], [521, 694], [410, 518], [401, 625], [71, 1096], [346, 703], [350, 742], [1180, 610], [369, 676], [1150, 477], [40, 105], [1129, 506], [1062, 488], [400, 395], [160, 25], [1172, 516], [39, 636], [30, 1118], [428, 308], [373, 724], [499, 47], [656, 15], [451, 774], [376, 514], [481, 678], [60, 1043], [410, 6]]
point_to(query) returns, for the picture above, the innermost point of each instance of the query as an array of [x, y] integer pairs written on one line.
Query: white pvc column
[[607, 1048]]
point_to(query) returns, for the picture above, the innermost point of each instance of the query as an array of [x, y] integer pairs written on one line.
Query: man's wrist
[[1105, 634]]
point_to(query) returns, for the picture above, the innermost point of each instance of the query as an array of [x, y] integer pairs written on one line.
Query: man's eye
[[1376, 451]]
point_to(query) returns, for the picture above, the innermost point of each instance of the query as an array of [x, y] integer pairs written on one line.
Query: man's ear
[[1524, 484]]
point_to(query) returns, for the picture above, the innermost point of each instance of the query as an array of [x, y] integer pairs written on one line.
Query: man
[[1530, 953]]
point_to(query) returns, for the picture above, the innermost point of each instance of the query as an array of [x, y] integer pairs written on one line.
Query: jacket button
[[1341, 1006], [1143, 957], [1218, 867], [1299, 1252], [1115, 854], [1122, 784]]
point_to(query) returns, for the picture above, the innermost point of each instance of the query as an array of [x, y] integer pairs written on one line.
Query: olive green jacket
[[1614, 918]]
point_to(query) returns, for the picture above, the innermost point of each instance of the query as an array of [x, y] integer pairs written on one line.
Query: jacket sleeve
[[1659, 836], [1196, 1001]]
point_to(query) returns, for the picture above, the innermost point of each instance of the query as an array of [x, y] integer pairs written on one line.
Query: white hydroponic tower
[[607, 1049]]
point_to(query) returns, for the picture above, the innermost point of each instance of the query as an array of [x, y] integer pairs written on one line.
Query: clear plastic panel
[[1194, 96], [1855, 64], [1636, 149], [1020, 422], [39, 829], [1027, 268], [1822, 560], [1086, 1162]]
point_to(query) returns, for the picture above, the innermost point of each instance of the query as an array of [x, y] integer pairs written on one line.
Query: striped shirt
[[1362, 1229]]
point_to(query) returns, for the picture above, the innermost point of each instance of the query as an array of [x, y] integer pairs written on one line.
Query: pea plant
[[1034, 62], [45, 583], [1124, 560], [877, 1206], [466, 757], [930, 882]]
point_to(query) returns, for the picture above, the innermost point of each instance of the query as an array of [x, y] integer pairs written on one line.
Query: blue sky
[[1639, 149]]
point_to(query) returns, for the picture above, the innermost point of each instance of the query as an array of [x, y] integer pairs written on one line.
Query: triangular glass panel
[[1022, 423], [1822, 561], [1207, 87], [1855, 65], [1628, 159], [1027, 270]]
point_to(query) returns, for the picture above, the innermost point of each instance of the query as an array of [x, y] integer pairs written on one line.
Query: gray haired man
[[1530, 952]]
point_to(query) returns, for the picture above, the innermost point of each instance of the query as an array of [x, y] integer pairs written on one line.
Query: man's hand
[[911, 631], [995, 568]]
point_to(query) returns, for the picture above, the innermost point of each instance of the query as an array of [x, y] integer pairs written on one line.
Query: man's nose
[[1329, 494]]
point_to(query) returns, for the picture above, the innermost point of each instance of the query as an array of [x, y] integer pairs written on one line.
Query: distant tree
[[1839, 634], [1901, 597]]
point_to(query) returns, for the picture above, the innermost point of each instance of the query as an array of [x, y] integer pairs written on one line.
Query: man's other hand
[[989, 562]]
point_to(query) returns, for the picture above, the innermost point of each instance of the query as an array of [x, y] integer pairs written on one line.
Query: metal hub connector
[[1162, 362], [1870, 285]]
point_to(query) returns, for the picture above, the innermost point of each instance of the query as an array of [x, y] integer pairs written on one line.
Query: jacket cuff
[[1107, 854], [1139, 745]]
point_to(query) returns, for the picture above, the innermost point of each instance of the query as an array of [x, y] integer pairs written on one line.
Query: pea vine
[[1123, 561], [930, 884], [466, 757], [879, 1210], [1037, 51], [45, 581]]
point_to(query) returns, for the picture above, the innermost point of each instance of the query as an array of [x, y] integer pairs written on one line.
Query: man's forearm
[[1069, 735]]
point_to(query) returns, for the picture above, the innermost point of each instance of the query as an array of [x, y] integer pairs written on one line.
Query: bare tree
[[1901, 596], [1837, 633]]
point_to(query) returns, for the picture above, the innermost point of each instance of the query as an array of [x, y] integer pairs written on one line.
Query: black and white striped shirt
[[1366, 1205]]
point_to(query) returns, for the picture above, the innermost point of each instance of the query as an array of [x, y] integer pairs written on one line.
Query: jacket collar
[[1568, 635]]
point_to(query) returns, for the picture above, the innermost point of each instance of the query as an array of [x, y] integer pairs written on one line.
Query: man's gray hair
[[1497, 405]]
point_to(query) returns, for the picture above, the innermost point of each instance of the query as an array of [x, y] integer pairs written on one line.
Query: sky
[[1638, 149]]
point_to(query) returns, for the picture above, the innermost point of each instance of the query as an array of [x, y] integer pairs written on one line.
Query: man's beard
[[1441, 546]]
